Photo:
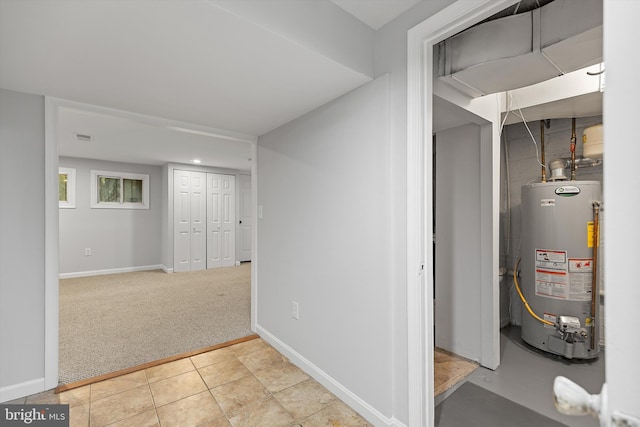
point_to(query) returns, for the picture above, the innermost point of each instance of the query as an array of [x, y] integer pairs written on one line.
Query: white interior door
[[457, 229], [182, 221], [221, 220], [189, 213], [244, 218], [214, 222], [198, 221]]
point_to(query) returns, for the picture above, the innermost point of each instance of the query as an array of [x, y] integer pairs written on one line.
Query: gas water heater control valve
[[570, 325]]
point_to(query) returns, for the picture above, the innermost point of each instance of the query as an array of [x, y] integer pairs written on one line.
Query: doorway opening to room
[[124, 300], [478, 115]]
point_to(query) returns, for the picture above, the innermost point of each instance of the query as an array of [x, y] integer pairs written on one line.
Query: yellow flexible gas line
[[524, 301]]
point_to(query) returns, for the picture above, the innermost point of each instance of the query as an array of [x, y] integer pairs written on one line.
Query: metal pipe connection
[[573, 149], [544, 171], [594, 271]]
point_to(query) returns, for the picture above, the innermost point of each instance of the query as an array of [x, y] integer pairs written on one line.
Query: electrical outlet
[[295, 310], [87, 251]]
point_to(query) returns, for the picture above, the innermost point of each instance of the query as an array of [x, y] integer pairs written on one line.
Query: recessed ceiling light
[[196, 161]]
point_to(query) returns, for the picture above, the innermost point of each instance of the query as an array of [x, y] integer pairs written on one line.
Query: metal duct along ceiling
[[523, 49]]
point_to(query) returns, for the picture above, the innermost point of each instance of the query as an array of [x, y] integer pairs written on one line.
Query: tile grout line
[[90, 404], [272, 395], [153, 400], [105, 377], [224, 415], [259, 363]]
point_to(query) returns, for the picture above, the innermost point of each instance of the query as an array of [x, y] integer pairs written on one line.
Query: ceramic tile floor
[[247, 384]]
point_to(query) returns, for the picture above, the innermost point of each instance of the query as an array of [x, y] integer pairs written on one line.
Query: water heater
[[560, 228]]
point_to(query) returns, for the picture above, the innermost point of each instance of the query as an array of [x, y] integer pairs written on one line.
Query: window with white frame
[[119, 190], [67, 188]]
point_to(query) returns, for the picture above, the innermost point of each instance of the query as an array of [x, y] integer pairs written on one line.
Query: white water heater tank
[[557, 262]]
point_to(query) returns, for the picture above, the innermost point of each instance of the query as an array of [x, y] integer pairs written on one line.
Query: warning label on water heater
[[552, 278], [580, 279], [560, 277]]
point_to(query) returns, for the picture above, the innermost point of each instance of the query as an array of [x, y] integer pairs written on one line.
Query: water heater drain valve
[[570, 325]]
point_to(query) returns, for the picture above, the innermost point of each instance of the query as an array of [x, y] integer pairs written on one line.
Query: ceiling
[[207, 65], [157, 82], [376, 13], [138, 139]]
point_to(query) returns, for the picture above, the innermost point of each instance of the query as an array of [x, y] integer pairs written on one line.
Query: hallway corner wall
[[22, 244]]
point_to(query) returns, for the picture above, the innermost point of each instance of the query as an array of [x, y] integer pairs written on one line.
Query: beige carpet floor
[[114, 322]]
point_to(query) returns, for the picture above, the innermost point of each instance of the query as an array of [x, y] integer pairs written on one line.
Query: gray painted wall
[[118, 238], [458, 241], [22, 257], [324, 241], [524, 169]]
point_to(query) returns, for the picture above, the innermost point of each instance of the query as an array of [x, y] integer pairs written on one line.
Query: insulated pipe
[[544, 171], [573, 149], [594, 271]]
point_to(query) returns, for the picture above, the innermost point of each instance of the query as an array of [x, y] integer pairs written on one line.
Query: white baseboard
[[166, 269], [111, 271], [397, 423], [363, 408], [17, 391]]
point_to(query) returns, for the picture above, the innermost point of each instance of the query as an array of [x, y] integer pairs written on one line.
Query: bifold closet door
[[189, 215], [221, 220]]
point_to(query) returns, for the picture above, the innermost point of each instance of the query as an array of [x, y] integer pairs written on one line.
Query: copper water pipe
[[594, 271], [544, 171], [573, 149]]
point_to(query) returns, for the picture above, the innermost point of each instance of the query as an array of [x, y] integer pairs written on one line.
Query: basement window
[[66, 188], [119, 190]]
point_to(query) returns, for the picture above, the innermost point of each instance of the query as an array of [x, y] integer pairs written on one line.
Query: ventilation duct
[[523, 49]]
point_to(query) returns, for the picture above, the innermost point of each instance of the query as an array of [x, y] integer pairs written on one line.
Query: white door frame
[[51, 245], [254, 234], [420, 41]]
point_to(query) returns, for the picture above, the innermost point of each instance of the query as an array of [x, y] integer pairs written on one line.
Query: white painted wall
[[22, 240], [324, 242], [458, 241], [622, 201], [120, 239]]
